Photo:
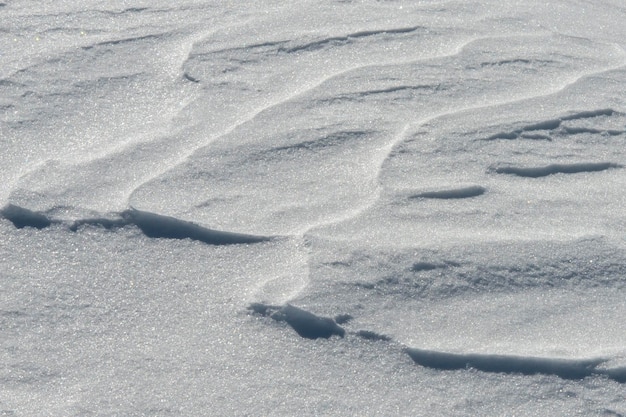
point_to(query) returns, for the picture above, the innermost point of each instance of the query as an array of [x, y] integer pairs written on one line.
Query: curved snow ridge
[[593, 131], [340, 137], [554, 124], [463, 272], [158, 226], [398, 92], [261, 51], [451, 193], [589, 114], [510, 364], [527, 131], [291, 46], [338, 40], [122, 41], [151, 224], [302, 90], [544, 171], [311, 326], [312, 85]]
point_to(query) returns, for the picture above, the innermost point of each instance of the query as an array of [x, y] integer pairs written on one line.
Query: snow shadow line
[[453, 193], [312, 326], [544, 171], [151, 224], [510, 364], [554, 124]]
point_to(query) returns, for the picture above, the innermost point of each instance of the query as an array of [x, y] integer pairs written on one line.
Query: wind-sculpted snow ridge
[[342, 137], [400, 92], [121, 41], [159, 226], [151, 224], [382, 79], [555, 124], [338, 40], [369, 280], [452, 193], [293, 47], [544, 171], [510, 364], [311, 326], [208, 64], [306, 324], [589, 114], [397, 94]]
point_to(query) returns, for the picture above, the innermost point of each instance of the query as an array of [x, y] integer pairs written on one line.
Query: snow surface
[[312, 208]]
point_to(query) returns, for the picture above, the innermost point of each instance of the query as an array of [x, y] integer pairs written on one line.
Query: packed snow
[[327, 207]]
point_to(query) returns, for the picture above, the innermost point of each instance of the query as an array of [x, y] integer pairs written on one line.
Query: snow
[[312, 208]]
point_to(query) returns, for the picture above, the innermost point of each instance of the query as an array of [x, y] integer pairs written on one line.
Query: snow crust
[[312, 208]]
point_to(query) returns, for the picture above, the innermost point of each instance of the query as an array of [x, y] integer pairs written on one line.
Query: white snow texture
[[329, 207]]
